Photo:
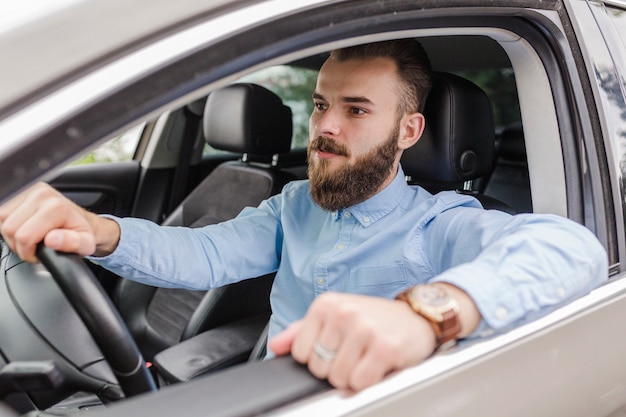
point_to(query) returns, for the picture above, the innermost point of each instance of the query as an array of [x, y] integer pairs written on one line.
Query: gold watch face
[[431, 295], [431, 301]]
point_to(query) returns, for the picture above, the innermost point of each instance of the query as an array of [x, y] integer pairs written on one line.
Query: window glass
[[499, 85], [295, 87], [618, 16], [119, 149]]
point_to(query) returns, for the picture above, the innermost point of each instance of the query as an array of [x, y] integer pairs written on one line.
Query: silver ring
[[323, 352]]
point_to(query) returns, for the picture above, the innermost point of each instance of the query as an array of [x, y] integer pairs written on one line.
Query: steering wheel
[[96, 310]]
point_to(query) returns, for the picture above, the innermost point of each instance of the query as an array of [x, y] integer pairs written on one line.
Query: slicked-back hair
[[412, 64]]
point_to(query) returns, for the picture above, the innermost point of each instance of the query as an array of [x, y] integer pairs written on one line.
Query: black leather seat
[[509, 180], [457, 146], [241, 118]]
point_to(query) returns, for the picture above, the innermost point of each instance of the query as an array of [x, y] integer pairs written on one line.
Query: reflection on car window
[[295, 87], [618, 16], [119, 149]]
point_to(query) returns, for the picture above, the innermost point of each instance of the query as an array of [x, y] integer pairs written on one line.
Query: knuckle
[[7, 229], [345, 311], [317, 371], [360, 383], [54, 204], [22, 237], [338, 380], [298, 354], [323, 304]]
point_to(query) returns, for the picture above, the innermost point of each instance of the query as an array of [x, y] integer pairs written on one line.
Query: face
[[357, 133]]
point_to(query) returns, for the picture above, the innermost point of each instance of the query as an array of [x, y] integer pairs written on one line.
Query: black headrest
[[458, 142], [247, 118]]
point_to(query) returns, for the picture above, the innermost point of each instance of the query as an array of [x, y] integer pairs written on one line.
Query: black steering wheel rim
[[101, 318]]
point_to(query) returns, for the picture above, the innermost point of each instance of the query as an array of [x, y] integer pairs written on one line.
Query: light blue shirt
[[515, 268]]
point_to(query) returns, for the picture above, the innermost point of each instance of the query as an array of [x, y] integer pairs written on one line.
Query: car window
[[118, 149], [295, 87], [499, 85], [618, 16]]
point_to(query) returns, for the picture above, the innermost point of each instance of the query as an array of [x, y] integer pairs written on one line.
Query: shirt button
[[501, 313], [487, 333], [347, 215], [366, 219], [320, 281], [560, 292], [340, 246]]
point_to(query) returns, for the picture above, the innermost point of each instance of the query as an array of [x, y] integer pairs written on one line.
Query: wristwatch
[[437, 306]]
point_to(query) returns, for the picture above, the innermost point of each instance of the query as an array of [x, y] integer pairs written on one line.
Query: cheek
[[312, 123]]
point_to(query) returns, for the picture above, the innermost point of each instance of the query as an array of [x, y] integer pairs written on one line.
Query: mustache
[[325, 144]]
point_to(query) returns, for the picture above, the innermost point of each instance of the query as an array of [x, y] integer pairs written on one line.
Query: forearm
[[469, 315], [192, 258], [533, 265]]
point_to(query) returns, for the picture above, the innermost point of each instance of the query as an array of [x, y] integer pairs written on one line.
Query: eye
[[357, 111], [320, 106]]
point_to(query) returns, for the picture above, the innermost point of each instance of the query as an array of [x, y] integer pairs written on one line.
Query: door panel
[[100, 187]]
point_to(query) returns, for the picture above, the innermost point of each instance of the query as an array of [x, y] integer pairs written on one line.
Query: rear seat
[[509, 180]]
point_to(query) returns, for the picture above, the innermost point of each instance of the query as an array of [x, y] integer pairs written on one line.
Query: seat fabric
[[242, 118]]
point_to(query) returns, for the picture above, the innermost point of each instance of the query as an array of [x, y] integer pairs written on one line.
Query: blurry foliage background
[[295, 86]]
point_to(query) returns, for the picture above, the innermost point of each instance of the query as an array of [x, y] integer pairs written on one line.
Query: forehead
[[375, 79]]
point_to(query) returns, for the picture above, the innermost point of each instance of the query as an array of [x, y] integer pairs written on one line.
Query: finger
[[17, 212], [71, 241], [72, 231], [372, 367], [303, 344], [349, 353], [325, 347], [281, 343], [30, 228], [10, 206], [13, 214]]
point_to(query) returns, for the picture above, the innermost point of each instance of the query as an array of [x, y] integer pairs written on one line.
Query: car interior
[[202, 163]]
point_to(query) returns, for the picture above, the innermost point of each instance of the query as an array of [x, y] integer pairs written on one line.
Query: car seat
[[457, 146], [241, 118]]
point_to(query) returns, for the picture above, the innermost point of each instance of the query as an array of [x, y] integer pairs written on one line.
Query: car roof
[[80, 33]]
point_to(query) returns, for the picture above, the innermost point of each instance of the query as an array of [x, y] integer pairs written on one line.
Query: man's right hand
[[43, 214]]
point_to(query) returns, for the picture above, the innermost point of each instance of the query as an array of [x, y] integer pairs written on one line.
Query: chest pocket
[[380, 281]]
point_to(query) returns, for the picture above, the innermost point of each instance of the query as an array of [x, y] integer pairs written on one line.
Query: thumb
[[71, 241], [282, 342]]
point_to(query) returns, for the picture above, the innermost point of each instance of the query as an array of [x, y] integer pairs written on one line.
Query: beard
[[350, 184]]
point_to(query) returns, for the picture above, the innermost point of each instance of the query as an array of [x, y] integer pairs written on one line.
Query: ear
[[411, 129]]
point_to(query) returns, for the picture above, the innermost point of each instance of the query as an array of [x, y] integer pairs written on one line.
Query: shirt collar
[[380, 204]]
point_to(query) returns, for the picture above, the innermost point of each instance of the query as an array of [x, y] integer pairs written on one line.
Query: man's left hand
[[354, 341]]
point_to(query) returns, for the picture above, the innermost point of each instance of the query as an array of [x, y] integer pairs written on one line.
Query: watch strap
[[447, 328]]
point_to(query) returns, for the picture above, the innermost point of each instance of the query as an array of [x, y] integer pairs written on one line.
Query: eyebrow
[[357, 99]]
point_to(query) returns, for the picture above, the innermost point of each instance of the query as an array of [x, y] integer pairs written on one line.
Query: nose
[[326, 123]]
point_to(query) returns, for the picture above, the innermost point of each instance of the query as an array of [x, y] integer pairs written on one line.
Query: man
[[356, 228]]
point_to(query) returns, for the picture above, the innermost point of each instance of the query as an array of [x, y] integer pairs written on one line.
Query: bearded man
[[355, 249]]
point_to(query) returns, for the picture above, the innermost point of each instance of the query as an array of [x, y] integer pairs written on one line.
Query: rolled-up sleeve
[[517, 268]]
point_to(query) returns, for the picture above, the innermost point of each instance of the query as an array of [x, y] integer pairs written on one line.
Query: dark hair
[[412, 64]]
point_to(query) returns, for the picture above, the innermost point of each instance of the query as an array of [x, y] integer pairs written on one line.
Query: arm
[[141, 250], [517, 268], [528, 264]]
